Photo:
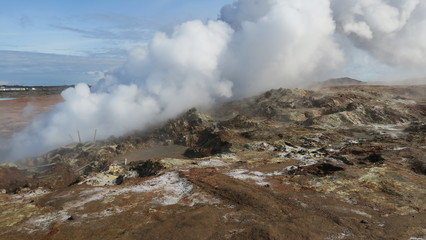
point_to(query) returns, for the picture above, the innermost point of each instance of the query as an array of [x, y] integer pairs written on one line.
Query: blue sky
[[49, 42]]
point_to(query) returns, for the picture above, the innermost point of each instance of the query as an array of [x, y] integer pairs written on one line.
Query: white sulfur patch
[[226, 156], [202, 198], [101, 179], [399, 148], [170, 185], [306, 156], [256, 176], [91, 195], [261, 147], [213, 163], [31, 194], [170, 188], [361, 213], [403, 101], [243, 174], [388, 127], [43, 222], [343, 235]]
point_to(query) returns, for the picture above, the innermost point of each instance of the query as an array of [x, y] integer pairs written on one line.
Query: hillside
[[342, 81], [340, 162]]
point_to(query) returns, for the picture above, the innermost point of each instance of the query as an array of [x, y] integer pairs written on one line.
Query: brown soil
[[17, 113]]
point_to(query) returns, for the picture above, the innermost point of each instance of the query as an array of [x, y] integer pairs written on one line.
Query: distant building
[[13, 89], [45, 89]]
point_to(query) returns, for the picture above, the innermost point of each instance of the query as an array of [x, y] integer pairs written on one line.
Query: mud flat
[[152, 152], [16, 113]]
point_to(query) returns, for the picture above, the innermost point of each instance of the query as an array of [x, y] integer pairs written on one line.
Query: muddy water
[[153, 152], [15, 114]]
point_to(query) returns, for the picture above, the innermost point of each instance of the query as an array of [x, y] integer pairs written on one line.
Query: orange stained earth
[[15, 114]]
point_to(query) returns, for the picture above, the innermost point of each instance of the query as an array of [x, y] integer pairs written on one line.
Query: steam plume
[[253, 46], [393, 31]]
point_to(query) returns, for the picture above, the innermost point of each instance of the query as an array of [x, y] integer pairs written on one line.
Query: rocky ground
[[337, 162]]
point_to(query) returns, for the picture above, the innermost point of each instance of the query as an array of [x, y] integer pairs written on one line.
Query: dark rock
[[416, 127], [418, 165], [13, 179], [119, 180], [375, 158], [248, 135], [351, 107], [327, 168], [240, 121], [145, 168], [210, 142], [58, 176], [320, 169], [184, 129]]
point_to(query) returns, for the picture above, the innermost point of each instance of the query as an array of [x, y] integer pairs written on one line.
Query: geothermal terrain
[[338, 161]]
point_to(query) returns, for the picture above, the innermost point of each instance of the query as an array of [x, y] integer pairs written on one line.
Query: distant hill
[[343, 81]]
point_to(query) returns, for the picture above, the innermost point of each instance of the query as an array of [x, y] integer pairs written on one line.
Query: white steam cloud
[[253, 46], [393, 31], [279, 44]]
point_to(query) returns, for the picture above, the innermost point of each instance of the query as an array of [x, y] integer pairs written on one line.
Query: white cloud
[[24, 68]]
